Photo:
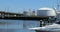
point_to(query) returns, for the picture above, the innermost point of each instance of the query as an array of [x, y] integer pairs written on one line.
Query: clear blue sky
[[19, 5]]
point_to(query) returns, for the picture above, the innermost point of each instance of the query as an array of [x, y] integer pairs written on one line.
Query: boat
[[54, 27]]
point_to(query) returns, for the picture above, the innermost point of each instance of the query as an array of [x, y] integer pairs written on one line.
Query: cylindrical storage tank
[[46, 12]]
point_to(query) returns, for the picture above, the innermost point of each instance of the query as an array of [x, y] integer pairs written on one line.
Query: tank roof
[[45, 8]]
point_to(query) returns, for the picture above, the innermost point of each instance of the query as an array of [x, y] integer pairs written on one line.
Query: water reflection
[[15, 25], [30, 24]]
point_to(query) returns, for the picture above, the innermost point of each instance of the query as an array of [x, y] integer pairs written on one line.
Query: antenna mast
[[58, 5]]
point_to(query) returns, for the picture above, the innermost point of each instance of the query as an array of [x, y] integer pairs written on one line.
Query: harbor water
[[18, 25]]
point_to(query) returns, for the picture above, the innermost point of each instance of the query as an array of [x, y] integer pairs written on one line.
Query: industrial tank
[[46, 12]]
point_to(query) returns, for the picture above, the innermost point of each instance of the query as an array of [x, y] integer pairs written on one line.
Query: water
[[17, 25]]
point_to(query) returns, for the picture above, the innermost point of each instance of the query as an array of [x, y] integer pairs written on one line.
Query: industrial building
[[58, 15], [29, 13], [43, 12]]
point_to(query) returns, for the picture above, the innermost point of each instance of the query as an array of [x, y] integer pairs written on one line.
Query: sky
[[21, 5]]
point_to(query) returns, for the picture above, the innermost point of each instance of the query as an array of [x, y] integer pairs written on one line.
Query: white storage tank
[[46, 12]]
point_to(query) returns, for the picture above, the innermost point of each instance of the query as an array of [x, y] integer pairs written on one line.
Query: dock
[[23, 18], [18, 16]]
